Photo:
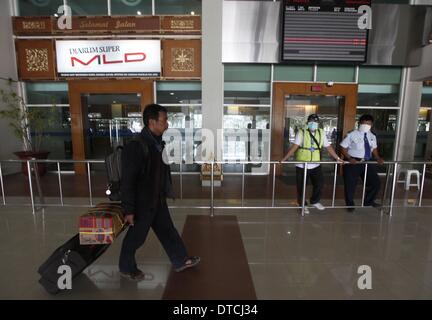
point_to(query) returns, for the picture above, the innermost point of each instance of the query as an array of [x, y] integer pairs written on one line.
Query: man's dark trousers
[[316, 177], [351, 174], [160, 221]]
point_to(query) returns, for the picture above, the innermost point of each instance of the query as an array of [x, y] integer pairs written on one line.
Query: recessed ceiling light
[[192, 13], [139, 13], [172, 93]]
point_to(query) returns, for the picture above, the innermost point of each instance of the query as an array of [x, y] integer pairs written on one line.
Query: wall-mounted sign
[[178, 24], [108, 58]]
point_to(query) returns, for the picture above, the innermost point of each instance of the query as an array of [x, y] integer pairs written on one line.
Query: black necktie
[[367, 148]]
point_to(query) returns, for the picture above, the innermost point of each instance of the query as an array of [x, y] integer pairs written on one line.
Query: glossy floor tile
[[290, 257]]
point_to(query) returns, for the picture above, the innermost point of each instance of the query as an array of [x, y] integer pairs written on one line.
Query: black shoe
[[374, 205], [137, 275]]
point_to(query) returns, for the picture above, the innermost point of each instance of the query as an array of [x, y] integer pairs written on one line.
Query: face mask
[[313, 126], [364, 128]]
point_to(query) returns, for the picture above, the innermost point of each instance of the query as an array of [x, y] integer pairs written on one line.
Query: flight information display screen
[[323, 30]]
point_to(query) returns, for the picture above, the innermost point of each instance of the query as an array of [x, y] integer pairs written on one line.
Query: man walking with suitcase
[[145, 185]]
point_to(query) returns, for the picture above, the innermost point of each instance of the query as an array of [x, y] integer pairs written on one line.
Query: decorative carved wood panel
[[35, 59], [181, 58]]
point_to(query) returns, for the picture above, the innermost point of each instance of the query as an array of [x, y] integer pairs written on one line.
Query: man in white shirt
[[307, 147], [358, 146]]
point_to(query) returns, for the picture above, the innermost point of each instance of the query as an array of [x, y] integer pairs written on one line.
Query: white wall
[[8, 142]]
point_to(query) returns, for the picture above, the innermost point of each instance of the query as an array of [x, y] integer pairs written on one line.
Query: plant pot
[[26, 155]]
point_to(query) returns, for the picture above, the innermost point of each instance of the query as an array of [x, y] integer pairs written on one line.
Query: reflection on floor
[[290, 257]]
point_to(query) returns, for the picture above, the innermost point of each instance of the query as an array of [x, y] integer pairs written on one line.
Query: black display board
[[323, 30]]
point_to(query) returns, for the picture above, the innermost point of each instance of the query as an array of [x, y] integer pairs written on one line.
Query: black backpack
[[113, 168]]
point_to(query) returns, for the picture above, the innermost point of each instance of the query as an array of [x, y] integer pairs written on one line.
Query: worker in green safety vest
[[307, 147]]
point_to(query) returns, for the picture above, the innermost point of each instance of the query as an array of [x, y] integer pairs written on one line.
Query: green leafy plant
[[23, 120]]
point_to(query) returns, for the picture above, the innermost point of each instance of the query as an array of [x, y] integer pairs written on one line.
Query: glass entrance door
[[297, 108], [293, 102], [110, 120]]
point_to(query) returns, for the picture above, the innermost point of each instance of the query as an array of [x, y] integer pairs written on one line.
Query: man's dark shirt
[[146, 180]]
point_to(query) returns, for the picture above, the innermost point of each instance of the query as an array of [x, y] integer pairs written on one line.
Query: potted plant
[[29, 125]]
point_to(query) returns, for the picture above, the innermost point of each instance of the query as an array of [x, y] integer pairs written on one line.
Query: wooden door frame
[[281, 89], [79, 87]]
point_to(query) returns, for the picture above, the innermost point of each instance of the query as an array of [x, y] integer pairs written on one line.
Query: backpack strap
[[140, 139]]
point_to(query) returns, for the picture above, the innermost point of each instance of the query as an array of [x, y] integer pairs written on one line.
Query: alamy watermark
[[365, 280], [65, 280]]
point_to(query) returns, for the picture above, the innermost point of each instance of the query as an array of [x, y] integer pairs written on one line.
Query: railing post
[[274, 184], [212, 190], [393, 188], [89, 184], [364, 184], [304, 188], [60, 183], [385, 188], [110, 127], [242, 190], [30, 186], [422, 185], [334, 184], [181, 171], [2, 185]]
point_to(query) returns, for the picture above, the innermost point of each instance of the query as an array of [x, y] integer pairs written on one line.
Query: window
[[38, 7], [178, 7], [378, 95], [57, 137], [88, 8], [293, 73], [131, 7], [384, 127], [245, 128], [47, 93], [183, 102], [422, 150]]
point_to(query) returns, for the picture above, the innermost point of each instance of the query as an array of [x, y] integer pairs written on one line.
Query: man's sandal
[[189, 263]]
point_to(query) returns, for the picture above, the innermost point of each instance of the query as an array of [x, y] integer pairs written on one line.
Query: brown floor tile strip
[[223, 272]]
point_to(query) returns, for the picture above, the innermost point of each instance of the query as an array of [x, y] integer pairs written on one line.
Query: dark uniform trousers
[[160, 221], [351, 174], [316, 177]]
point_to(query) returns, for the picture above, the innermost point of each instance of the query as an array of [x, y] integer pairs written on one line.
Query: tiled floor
[[290, 257]]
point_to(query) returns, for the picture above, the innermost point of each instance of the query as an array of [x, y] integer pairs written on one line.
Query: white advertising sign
[[107, 58]]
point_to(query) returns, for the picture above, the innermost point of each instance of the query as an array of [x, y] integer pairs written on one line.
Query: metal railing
[[391, 180]]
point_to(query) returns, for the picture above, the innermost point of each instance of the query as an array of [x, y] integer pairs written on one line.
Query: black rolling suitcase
[[76, 256]]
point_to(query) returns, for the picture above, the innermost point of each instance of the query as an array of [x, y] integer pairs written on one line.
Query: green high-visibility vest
[[308, 150]]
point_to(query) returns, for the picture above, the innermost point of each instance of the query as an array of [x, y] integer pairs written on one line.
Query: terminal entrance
[[294, 102], [110, 121], [105, 114]]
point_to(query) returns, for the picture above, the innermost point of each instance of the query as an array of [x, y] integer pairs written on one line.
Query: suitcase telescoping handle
[[66, 257]]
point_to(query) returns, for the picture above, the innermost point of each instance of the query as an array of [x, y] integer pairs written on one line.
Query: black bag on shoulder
[[113, 168]]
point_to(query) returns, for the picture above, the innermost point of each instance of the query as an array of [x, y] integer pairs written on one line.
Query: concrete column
[[408, 116], [9, 142], [212, 69]]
